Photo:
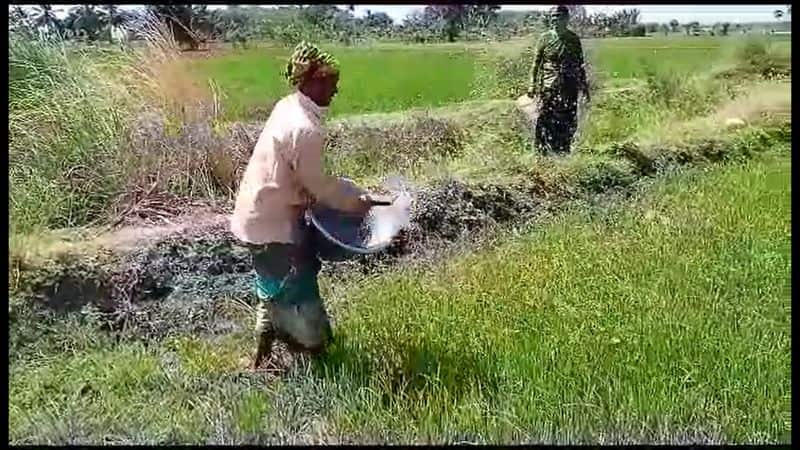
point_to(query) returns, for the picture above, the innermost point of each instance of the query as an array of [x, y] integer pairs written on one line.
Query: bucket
[[345, 235]]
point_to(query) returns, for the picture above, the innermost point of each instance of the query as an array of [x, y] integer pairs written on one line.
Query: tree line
[[193, 25]]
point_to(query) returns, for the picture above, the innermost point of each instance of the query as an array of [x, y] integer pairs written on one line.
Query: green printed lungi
[[288, 300]]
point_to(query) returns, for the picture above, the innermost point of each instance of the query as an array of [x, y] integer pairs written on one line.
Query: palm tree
[[18, 19], [44, 17], [89, 20], [110, 18]]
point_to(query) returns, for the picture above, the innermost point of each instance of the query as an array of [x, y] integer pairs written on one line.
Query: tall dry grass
[[94, 133], [99, 136]]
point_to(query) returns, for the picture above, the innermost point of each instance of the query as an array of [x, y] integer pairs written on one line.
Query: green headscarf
[[308, 61]]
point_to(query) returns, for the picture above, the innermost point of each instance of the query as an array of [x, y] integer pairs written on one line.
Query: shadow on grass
[[416, 368]]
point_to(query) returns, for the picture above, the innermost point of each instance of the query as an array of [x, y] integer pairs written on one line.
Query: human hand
[[362, 204]]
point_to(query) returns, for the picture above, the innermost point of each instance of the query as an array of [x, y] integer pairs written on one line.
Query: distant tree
[[638, 30], [322, 16], [724, 28], [481, 15], [88, 22], [622, 22], [19, 20], [674, 24], [112, 18], [377, 20], [691, 27], [178, 19], [578, 17], [44, 17], [665, 29], [778, 14], [453, 17], [207, 25]]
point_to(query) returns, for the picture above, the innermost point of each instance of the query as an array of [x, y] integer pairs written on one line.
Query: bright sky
[[705, 14]]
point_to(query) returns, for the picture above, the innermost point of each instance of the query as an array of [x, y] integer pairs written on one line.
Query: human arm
[[533, 84], [324, 188], [583, 83]]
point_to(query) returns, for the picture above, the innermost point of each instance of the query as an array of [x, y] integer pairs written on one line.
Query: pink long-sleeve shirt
[[285, 174]]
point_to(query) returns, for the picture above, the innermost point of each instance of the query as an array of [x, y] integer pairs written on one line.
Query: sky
[[705, 14]]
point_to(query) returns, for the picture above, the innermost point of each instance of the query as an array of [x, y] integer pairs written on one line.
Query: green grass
[[386, 79], [665, 320], [631, 58], [373, 80], [66, 122]]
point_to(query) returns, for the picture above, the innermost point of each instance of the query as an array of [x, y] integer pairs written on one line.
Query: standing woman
[[558, 76], [283, 178]]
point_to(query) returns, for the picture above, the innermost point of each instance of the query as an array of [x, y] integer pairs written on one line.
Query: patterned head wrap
[[307, 62]]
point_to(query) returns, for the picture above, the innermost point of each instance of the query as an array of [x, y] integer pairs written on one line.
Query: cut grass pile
[[667, 320]]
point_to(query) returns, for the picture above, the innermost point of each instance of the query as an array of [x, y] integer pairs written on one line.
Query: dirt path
[[192, 224]]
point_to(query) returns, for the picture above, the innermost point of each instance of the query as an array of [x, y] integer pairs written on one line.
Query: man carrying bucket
[[283, 178], [557, 77]]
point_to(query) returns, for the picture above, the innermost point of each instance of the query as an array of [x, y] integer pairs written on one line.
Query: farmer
[[557, 76], [283, 178]]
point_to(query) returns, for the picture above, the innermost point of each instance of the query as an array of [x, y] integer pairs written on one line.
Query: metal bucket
[[529, 106], [345, 235]]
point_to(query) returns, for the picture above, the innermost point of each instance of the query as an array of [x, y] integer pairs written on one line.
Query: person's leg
[[547, 122], [265, 333], [565, 125], [300, 315], [271, 264], [541, 130]]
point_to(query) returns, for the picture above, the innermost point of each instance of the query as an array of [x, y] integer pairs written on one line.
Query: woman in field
[[283, 178], [558, 75]]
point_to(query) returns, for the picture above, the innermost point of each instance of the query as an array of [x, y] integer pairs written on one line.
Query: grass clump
[[527, 311], [762, 58], [98, 134], [406, 146], [67, 118]]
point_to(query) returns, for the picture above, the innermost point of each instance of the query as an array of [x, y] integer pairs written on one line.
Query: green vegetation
[[88, 136], [664, 322], [660, 316], [379, 80], [250, 80], [65, 118]]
